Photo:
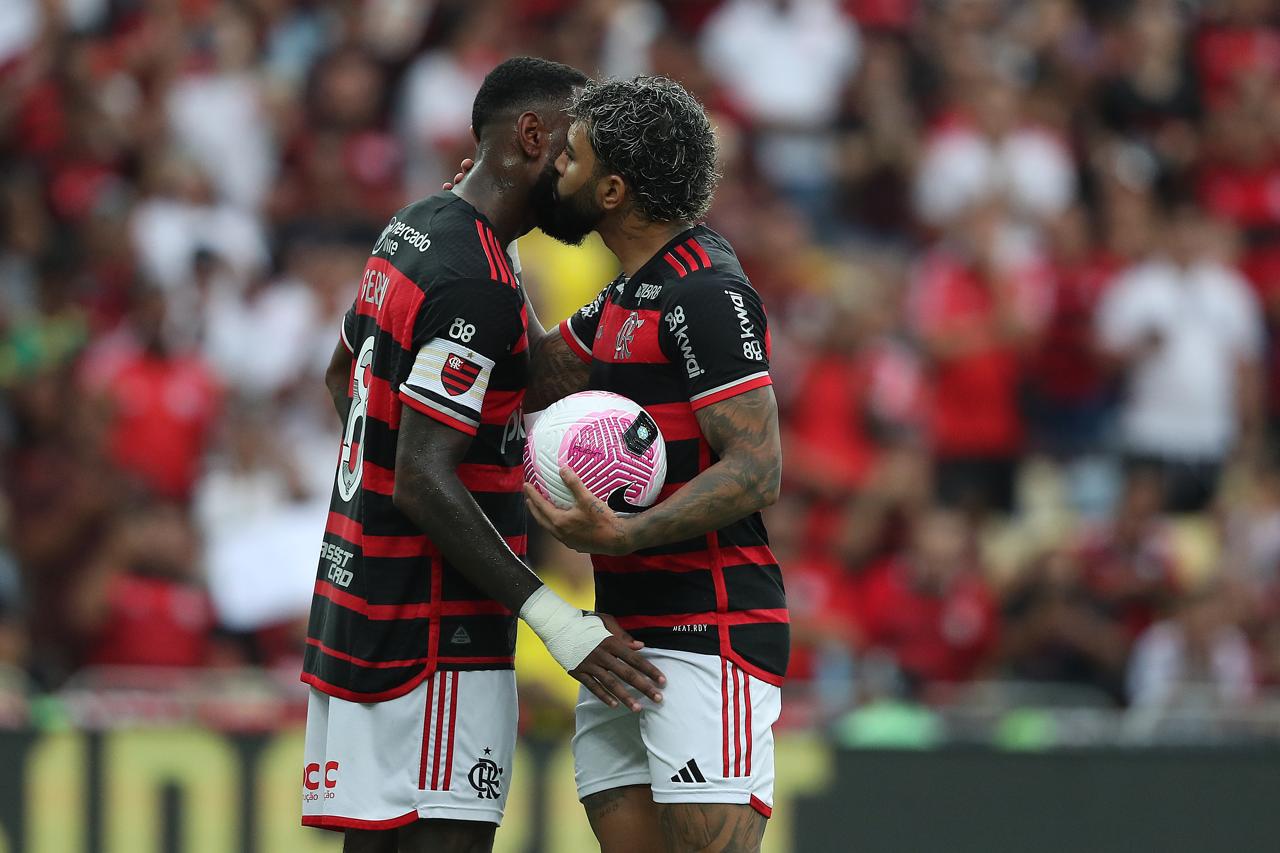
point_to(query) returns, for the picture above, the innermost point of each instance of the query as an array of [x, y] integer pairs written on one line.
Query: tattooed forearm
[[554, 372], [743, 431], [712, 828]]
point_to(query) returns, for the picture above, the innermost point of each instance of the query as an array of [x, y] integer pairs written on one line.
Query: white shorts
[[710, 740], [442, 750]]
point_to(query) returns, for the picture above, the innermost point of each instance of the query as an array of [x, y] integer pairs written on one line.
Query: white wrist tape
[[569, 634]]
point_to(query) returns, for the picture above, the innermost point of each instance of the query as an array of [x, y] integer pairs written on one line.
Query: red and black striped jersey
[[687, 331], [438, 325]]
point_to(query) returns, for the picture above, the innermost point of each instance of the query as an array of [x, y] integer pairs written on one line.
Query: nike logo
[[618, 501]]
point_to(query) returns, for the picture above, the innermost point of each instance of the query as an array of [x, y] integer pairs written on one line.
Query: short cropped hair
[[657, 137], [522, 83]]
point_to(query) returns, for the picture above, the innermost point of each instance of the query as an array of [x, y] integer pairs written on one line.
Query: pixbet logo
[[312, 777]]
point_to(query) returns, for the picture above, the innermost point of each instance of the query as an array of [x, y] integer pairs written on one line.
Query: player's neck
[[499, 197], [635, 241]]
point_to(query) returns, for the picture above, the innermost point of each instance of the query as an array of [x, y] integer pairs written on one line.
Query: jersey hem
[[721, 796], [624, 781], [338, 823], [364, 698]]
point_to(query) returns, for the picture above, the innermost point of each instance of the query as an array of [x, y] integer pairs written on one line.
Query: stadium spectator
[[1186, 332]]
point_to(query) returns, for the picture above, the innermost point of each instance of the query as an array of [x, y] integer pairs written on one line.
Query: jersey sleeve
[[717, 335], [579, 328], [463, 328], [347, 330]]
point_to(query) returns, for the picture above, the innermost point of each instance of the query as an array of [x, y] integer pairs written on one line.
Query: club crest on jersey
[[627, 334], [458, 374]]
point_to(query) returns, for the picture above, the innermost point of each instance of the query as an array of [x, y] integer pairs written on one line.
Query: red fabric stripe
[[731, 391], [498, 406], [413, 610], [473, 608], [675, 265], [493, 659], [399, 309], [725, 620], [453, 717], [384, 402], [699, 251], [365, 664], [426, 734], [737, 726], [435, 760], [573, 342], [687, 258], [399, 546], [490, 478], [488, 253], [438, 415], [724, 713], [758, 805], [690, 561], [340, 823], [377, 479], [675, 420], [344, 528], [504, 262], [522, 344], [352, 696], [746, 690], [755, 671]]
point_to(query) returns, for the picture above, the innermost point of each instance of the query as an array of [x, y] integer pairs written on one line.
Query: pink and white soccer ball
[[610, 442]]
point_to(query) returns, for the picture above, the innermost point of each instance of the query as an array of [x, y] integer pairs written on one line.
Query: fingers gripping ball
[[610, 442]]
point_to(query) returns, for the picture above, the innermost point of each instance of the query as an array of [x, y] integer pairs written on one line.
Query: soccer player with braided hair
[[682, 332]]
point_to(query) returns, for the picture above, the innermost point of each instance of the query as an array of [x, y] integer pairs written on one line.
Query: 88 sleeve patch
[[717, 335]]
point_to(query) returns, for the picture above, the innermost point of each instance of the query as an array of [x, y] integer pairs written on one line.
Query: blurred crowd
[[1021, 262]]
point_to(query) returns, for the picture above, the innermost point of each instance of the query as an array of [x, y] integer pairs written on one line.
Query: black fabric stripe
[[655, 593], [489, 636], [647, 384], [351, 677], [768, 646], [755, 588]]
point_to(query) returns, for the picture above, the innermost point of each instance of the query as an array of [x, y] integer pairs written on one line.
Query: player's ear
[[475, 137], [612, 192], [532, 134]]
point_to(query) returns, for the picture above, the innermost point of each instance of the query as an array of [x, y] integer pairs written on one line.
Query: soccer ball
[[610, 442]]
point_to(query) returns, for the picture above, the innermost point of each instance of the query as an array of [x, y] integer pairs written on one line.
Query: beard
[[568, 219]]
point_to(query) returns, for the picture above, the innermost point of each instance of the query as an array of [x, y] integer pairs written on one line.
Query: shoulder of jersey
[[439, 238], [701, 259]]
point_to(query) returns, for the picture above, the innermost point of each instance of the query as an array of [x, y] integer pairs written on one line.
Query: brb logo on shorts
[[311, 778], [486, 777]]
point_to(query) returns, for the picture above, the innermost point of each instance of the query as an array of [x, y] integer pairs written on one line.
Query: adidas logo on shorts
[[689, 773]]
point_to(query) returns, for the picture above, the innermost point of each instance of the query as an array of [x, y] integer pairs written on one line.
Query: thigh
[[608, 751], [710, 741], [710, 828], [625, 820], [369, 841], [447, 836]]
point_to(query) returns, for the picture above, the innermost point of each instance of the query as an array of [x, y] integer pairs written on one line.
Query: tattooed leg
[[625, 820], [711, 828]]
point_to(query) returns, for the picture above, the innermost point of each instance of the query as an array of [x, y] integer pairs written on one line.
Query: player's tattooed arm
[[554, 372], [712, 827], [742, 430], [337, 378]]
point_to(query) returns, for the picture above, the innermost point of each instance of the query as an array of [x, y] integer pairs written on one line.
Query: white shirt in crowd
[[1181, 400], [1160, 672], [1030, 167]]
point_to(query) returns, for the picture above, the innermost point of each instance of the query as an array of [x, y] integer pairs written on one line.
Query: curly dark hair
[[657, 137]]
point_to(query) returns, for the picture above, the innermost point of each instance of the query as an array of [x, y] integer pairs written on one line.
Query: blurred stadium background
[[1022, 263]]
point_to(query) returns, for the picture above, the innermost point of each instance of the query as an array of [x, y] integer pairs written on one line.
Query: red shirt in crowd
[[974, 408], [1129, 580], [153, 621], [935, 636], [1225, 53], [1065, 366], [163, 411]]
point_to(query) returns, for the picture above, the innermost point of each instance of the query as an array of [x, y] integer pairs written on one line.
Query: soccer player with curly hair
[[683, 333]]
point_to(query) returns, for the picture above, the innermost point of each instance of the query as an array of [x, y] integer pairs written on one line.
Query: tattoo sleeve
[[717, 827], [743, 432], [554, 372]]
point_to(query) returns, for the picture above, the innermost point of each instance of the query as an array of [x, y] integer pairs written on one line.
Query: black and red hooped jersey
[[685, 332], [438, 325]]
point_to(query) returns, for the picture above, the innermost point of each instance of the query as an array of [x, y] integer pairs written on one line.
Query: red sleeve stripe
[[730, 389], [675, 265], [361, 662], [687, 258], [488, 252], [571, 338], [433, 410], [700, 252], [737, 617]]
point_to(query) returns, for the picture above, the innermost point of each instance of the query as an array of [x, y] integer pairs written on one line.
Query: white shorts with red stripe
[[710, 740], [442, 750]]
